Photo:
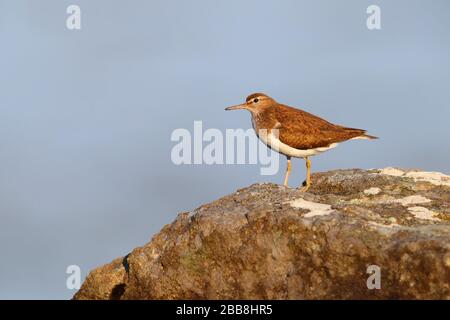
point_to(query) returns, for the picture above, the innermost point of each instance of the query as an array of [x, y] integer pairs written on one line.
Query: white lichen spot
[[423, 213], [436, 178], [392, 172], [372, 191], [315, 208], [407, 201]]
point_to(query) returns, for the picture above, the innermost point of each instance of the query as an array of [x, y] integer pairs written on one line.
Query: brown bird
[[293, 132]]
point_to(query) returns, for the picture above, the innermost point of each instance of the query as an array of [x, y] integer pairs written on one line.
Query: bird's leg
[[288, 171], [308, 175], [308, 172]]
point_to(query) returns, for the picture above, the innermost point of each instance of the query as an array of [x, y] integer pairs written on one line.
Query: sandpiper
[[293, 132]]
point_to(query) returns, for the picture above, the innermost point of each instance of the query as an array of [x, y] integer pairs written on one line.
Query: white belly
[[273, 142]]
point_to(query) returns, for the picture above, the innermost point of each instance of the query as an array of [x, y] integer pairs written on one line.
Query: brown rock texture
[[272, 242]]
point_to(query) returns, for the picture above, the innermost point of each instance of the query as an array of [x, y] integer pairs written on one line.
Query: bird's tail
[[365, 137], [359, 134], [369, 137]]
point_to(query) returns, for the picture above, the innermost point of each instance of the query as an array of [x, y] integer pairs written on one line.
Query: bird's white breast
[[274, 142]]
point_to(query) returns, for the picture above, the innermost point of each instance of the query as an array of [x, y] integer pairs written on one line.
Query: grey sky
[[86, 116]]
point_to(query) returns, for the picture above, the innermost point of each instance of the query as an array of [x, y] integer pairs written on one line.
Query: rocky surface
[[272, 242]]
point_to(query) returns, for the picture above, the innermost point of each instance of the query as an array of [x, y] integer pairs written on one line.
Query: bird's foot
[[305, 186]]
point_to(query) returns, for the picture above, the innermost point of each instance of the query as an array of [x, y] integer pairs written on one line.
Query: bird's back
[[303, 130]]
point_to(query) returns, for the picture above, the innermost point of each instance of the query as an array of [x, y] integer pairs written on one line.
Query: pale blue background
[[86, 116]]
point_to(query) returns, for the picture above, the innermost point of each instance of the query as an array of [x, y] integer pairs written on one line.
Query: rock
[[272, 242]]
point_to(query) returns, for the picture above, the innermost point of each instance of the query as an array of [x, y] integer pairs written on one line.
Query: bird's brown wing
[[302, 130]]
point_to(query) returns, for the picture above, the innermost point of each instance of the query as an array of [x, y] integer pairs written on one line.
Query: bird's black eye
[[255, 100]]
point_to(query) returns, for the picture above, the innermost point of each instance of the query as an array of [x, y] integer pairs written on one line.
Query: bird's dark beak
[[239, 106]]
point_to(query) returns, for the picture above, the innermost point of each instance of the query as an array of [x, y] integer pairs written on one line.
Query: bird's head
[[254, 103]]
